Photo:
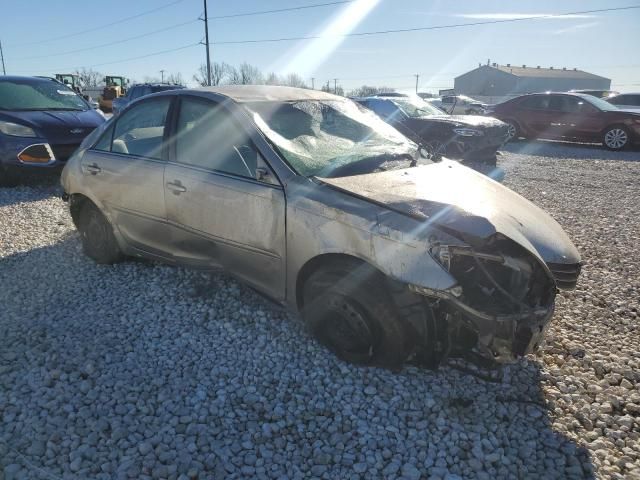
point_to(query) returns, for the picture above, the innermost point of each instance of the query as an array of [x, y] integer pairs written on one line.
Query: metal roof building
[[505, 80]]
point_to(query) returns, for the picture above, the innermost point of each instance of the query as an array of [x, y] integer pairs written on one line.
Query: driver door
[[224, 205]]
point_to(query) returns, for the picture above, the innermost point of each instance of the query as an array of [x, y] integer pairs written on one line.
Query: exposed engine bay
[[500, 308]]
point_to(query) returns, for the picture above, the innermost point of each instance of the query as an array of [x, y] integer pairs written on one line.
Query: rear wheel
[[347, 307], [96, 233], [616, 138]]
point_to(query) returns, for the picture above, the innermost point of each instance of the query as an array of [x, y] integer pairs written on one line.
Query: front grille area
[[63, 152], [565, 274]]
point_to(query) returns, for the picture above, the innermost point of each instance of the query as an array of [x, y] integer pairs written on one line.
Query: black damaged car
[[468, 138]]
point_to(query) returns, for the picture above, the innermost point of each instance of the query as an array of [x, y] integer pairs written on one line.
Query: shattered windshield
[[416, 107], [321, 137]]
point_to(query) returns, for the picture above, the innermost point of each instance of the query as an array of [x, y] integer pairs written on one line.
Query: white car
[[459, 105], [625, 101]]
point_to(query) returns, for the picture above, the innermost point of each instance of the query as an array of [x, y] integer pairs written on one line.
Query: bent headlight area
[[16, 130], [468, 132]]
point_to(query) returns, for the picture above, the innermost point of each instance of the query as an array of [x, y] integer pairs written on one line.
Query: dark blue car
[[42, 122]]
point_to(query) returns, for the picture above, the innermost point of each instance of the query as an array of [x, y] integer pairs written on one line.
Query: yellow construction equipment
[[115, 87]]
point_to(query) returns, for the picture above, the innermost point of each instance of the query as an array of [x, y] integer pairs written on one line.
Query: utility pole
[[206, 39], [162, 76], [417, 77], [335, 86], [4, 71], [313, 83]]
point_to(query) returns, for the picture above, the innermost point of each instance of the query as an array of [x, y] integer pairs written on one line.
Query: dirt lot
[[145, 371]]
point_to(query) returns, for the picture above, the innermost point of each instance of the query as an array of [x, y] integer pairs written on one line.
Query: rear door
[[125, 172], [226, 208]]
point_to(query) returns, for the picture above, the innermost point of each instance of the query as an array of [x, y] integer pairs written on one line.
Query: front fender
[[320, 224]]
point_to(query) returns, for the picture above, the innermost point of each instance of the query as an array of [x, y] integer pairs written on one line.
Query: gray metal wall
[[485, 81], [490, 82]]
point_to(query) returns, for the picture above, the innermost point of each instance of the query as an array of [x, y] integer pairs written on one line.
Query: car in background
[[320, 205], [42, 122], [140, 90], [458, 105], [569, 116], [625, 101], [596, 93], [471, 139]]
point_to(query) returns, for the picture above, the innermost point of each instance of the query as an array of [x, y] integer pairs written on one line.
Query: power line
[[279, 10], [162, 52], [93, 29], [420, 29], [124, 40]]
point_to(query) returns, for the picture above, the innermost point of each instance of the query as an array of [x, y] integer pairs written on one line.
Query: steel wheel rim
[[616, 138], [347, 329], [511, 131]]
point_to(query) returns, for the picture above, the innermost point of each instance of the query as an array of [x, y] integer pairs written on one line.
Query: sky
[[41, 37]]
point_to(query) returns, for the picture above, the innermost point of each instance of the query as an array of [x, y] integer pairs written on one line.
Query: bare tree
[[149, 79], [367, 91], [330, 89], [250, 75], [218, 73], [273, 79], [175, 79], [295, 80], [89, 77]]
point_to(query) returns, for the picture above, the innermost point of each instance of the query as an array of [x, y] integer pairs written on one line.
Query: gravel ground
[[146, 371]]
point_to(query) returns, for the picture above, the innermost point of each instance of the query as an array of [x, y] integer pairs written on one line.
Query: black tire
[[514, 131], [96, 234], [616, 138], [348, 308]]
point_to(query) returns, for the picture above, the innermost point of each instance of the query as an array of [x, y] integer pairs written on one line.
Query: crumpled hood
[[477, 121], [458, 199], [55, 120]]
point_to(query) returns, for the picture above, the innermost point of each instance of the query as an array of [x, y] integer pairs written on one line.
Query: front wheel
[[513, 131], [348, 308], [96, 234], [616, 138]]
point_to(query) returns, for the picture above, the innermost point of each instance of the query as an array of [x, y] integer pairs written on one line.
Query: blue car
[[42, 122]]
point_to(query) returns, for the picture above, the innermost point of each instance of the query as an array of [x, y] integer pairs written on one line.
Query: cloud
[[575, 28], [516, 16]]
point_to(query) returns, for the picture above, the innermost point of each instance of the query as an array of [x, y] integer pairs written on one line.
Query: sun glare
[[307, 59]]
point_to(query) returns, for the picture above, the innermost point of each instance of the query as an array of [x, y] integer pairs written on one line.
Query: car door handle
[[93, 169], [176, 187]]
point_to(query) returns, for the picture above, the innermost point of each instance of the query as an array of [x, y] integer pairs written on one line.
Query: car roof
[[22, 78], [268, 93], [157, 84]]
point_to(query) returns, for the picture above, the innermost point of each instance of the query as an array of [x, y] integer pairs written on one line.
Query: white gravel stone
[[142, 370]]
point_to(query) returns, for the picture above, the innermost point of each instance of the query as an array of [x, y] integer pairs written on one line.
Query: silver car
[[319, 204]]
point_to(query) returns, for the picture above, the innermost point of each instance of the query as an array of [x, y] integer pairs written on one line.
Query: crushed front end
[[502, 305]]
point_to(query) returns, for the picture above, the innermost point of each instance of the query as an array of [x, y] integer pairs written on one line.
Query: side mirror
[[262, 174]]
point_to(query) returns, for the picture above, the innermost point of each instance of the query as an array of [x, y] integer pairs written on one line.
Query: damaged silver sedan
[[315, 202]]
